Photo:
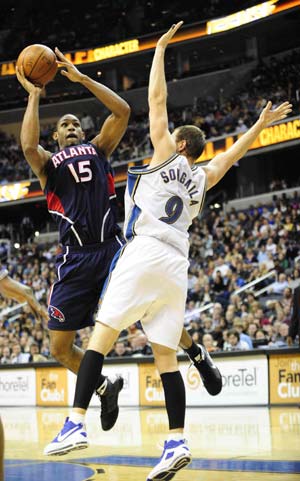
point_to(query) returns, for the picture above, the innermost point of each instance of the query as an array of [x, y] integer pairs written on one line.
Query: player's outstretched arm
[[221, 163], [21, 293], [115, 125], [36, 156], [162, 141]]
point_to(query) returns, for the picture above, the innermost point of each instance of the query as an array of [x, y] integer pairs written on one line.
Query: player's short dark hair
[[194, 137], [65, 115], [234, 332]]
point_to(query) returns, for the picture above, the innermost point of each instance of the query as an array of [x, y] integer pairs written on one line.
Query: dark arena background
[[227, 60]]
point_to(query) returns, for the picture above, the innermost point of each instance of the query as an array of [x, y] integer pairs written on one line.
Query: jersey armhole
[[47, 171], [99, 152]]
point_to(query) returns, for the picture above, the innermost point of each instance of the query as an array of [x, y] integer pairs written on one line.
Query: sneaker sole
[[169, 473], [67, 449]]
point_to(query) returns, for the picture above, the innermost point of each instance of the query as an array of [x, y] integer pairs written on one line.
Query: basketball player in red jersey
[[79, 187]]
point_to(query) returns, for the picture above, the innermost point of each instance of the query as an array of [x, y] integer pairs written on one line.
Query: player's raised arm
[[36, 156], [162, 141], [115, 125], [221, 163]]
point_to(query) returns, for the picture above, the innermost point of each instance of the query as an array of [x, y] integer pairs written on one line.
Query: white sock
[[175, 437], [101, 389], [77, 418]]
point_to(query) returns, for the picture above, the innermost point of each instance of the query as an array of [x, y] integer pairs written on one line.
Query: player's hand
[[28, 86], [166, 37], [22, 293], [268, 116], [72, 73]]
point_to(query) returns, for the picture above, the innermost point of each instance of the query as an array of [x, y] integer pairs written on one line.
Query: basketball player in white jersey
[[148, 279]]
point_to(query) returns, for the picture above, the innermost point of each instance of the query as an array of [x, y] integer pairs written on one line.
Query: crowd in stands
[[227, 252], [277, 80], [13, 166], [74, 26]]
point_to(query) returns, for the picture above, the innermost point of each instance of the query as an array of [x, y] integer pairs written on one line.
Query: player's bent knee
[[165, 358], [103, 338], [60, 352]]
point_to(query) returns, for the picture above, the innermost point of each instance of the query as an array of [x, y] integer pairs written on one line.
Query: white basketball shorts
[[147, 284]]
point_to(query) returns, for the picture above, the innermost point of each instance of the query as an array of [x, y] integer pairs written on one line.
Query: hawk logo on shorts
[[56, 313]]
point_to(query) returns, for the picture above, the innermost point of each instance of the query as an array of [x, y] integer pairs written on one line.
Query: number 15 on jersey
[[84, 171]]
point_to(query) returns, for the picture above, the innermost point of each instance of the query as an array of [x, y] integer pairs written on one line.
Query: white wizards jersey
[[162, 201]]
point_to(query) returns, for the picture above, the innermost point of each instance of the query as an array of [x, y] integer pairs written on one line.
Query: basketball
[[39, 64]]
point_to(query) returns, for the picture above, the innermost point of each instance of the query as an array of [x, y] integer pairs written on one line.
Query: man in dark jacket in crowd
[[294, 328]]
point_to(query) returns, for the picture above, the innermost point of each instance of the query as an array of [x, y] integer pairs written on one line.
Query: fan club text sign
[[285, 378], [51, 387]]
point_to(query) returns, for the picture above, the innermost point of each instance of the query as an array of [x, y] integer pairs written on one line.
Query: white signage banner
[[129, 396], [245, 382], [17, 387]]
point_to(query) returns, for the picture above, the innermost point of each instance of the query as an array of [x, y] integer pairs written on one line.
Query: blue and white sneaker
[[176, 456], [71, 437]]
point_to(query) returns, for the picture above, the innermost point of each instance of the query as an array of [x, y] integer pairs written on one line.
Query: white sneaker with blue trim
[[71, 437], [176, 456]]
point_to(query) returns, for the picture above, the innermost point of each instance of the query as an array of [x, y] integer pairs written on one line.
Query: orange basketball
[[39, 64]]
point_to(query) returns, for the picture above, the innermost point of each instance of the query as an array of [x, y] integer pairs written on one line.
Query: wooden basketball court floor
[[227, 444]]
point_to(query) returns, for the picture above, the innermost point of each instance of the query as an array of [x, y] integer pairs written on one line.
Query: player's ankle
[[194, 350], [77, 418], [175, 436]]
